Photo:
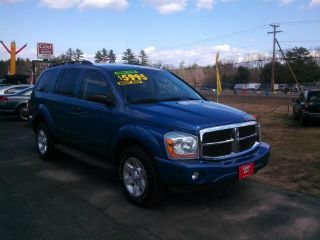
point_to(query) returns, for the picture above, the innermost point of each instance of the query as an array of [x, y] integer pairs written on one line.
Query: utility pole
[[274, 32]]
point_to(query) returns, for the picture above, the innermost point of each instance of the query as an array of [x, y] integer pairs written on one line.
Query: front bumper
[[180, 172]]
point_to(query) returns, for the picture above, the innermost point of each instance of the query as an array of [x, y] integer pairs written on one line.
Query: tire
[[44, 143], [21, 113], [139, 177]]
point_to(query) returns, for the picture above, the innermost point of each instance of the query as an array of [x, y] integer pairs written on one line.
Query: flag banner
[[219, 88]]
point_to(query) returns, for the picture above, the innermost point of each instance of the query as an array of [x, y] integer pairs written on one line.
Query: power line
[[302, 22], [216, 37]]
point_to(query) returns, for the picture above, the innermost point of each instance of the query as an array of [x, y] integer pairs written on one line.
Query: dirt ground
[[295, 150]]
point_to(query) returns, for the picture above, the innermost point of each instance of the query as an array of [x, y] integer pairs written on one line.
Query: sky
[[169, 31]]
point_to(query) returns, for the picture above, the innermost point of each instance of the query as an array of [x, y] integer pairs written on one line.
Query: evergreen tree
[[105, 56], [144, 59], [303, 64], [69, 55], [112, 57], [129, 57], [98, 57], [77, 55]]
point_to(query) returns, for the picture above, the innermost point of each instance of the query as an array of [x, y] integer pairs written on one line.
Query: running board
[[85, 157]]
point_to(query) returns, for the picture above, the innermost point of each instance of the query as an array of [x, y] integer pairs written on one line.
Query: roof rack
[[73, 62]]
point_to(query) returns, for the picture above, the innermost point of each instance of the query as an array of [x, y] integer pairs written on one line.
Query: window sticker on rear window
[[130, 77]]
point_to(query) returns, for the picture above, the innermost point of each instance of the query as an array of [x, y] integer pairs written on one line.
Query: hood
[[188, 115]]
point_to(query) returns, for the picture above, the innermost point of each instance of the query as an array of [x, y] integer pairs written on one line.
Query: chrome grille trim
[[234, 140], [217, 143]]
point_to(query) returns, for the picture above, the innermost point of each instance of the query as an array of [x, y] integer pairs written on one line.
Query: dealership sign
[[45, 51]]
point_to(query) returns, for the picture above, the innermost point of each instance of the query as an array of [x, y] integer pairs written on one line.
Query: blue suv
[[149, 123]]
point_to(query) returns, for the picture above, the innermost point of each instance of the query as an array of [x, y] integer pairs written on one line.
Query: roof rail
[[73, 62]]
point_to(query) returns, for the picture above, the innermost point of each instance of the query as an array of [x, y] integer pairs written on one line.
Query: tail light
[[3, 99], [306, 105]]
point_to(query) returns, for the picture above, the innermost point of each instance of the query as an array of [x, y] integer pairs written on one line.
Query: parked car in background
[[16, 103], [307, 106], [11, 89]]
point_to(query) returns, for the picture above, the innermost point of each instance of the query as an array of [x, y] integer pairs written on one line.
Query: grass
[[295, 151]]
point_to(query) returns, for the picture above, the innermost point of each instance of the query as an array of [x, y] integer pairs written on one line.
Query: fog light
[[195, 176]]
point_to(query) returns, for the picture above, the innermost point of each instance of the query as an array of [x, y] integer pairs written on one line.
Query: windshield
[[314, 96], [148, 85]]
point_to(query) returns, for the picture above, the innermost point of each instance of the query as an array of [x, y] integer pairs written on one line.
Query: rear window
[[314, 96], [44, 83], [68, 82]]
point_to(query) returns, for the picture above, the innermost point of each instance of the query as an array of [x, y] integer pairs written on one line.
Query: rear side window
[[68, 82], [46, 79], [93, 86]]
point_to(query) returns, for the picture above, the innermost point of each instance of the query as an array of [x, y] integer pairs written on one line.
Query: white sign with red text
[[45, 51]]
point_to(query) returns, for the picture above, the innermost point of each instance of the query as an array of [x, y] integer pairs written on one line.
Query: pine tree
[[77, 55], [112, 57], [69, 55], [104, 57], [98, 57], [129, 57], [144, 59]]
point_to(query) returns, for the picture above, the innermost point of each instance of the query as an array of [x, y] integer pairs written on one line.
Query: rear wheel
[[139, 177], [44, 142]]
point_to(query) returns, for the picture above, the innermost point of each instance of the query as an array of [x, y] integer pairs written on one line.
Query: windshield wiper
[[143, 100], [178, 99]]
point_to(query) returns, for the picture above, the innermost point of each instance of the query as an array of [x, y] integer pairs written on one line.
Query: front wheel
[[139, 177], [22, 113], [44, 142]]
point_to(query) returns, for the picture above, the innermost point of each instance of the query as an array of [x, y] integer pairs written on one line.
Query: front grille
[[217, 136], [217, 150], [229, 140], [247, 131]]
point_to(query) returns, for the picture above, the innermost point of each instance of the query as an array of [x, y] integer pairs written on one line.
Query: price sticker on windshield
[[130, 77]]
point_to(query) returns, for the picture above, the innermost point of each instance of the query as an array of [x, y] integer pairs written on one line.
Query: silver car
[[16, 103]]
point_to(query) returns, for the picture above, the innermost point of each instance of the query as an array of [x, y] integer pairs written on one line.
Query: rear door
[[96, 121], [62, 104]]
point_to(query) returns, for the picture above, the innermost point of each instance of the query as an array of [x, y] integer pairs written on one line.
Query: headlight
[[181, 145]]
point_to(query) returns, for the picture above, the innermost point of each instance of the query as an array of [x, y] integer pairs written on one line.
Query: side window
[[44, 83], [68, 82], [94, 87]]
